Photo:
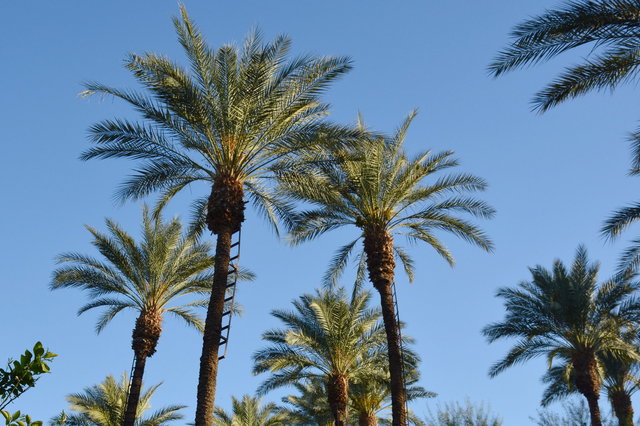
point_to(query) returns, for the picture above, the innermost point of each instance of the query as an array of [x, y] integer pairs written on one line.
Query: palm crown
[[327, 338], [249, 412], [376, 187], [147, 276]]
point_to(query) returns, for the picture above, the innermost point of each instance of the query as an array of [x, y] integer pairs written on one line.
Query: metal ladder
[[230, 293], [404, 378]]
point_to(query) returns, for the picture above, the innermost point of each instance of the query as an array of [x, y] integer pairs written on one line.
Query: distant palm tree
[[620, 381], [230, 119], [563, 314], [309, 406], [469, 414], [146, 277], [327, 338], [379, 190], [104, 404], [249, 412]]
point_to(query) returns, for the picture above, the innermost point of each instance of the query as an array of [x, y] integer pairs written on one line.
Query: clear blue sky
[[553, 180]]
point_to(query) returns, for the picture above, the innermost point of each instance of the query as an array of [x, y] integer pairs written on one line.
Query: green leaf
[[38, 350], [6, 415]]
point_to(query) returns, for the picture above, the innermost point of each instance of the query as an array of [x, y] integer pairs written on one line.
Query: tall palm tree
[[379, 190], [104, 404], [327, 338], [563, 314], [146, 277], [249, 412], [230, 119]]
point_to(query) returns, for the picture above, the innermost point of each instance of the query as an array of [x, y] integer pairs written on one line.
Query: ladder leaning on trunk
[[404, 376], [230, 294]]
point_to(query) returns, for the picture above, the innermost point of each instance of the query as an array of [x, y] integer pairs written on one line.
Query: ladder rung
[[232, 269], [224, 328], [220, 357], [223, 340], [226, 313], [236, 244], [234, 258], [231, 285], [228, 299]]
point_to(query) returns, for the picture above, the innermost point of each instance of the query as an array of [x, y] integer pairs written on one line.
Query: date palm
[[620, 381], [104, 405], [565, 315], [249, 412], [147, 277], [327, 338], [378, 189], [227, 121], [309, 406]]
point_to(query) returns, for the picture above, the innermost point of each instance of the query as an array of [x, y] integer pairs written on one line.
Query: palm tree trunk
[[378, 246], [144, 340], [134, 391], [212, 333], [621, 402], [587, 383], [338, 396], [225, 214], [367, 420]]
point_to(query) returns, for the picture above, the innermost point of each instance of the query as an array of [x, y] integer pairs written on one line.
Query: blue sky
[[553, 180]]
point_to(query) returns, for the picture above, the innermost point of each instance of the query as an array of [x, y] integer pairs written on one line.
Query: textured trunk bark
[[621, 402], [338, 396], [367, 420], [378, 246], [212, 333], [134, 391], [225, 214], [144, 340], [588, 383]]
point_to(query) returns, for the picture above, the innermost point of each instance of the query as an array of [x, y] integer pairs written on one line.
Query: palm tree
[[249, 412], [610, 27], [228, 121], [379, 190], [371, 398], [565, 315], [469, 414], [104, 404], [620, 381], [327, 338], [146, 277], [310, 406]]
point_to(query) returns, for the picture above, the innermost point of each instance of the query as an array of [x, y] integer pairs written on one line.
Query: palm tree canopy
[[610, 27], [309, 406], [234, 114], [144, 276], [326, 335], [249, 412], [104, 404], [376, 186], [562, 312]]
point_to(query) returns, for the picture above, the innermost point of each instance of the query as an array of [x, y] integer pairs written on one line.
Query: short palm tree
[[147, 277], [378, 189], [309, 406], [327, 338], [610, 27], [249, 412], [230, 119], [620, 381], [104, 405], [563, 314]]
